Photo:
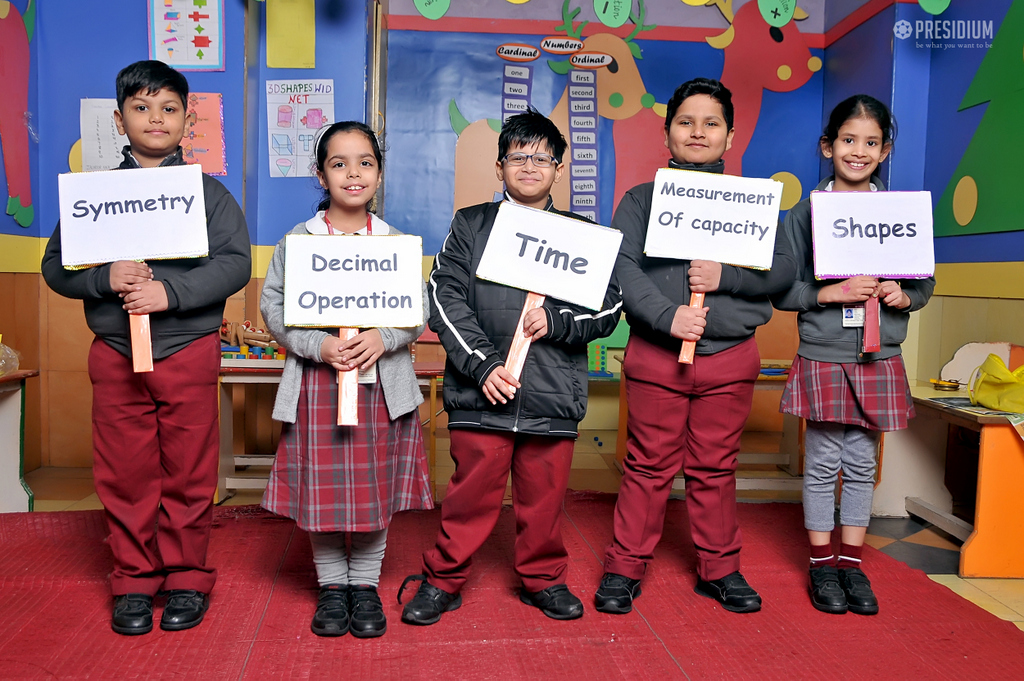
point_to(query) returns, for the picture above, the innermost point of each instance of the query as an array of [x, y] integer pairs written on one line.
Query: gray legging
[[334, 565], [829, 446]]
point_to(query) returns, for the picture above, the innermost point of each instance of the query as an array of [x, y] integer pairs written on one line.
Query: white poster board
[[703, 216], [296, 110], [880, 234], [550, 254], [142, 214], [358, 282], [101, 142]]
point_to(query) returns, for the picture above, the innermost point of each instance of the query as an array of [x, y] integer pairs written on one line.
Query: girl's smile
[[856, 154], [351, 175]]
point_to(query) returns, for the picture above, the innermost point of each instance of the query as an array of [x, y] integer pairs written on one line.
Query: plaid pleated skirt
[[332, 478], [873, 395]]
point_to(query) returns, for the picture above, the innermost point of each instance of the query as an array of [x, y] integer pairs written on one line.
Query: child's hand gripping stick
[[690, 347], [348, 388], [872, 333], [142, 343], [520, 341]]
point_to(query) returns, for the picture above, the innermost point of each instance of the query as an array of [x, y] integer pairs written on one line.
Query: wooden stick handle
[[689, 348], [872, 331], [348, 388], [142, 343], [520, 342]]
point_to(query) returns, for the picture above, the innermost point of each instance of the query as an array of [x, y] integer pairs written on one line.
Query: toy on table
[[597, 361]]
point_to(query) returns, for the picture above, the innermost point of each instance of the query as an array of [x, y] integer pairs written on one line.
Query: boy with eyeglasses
[[497, 423]]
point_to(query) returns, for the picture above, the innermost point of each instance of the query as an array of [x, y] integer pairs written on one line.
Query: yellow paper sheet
[[291, 34]]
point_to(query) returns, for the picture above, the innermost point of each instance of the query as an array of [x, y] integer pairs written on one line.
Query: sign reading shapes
[[345, 281], [550, 254], [142, 214], [702, 216], [880, 234]]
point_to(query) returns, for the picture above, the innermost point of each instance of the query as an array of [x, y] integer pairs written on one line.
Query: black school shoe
[[366, 612], [732, 591], [429, 603], [616, 593], [826, 593], [133, 614], [185, 609], [557, 602], [859, 596], [331, 617]]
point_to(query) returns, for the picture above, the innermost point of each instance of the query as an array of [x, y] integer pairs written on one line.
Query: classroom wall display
[[101, 142], [291, 34], [187, 34], [203, 141], [16, 31], [550, 254], [352, 282], [149, 213], [296, 110], [880, 234]]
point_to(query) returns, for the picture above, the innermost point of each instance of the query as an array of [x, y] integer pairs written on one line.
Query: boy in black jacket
[[498, 423], [156, 434]]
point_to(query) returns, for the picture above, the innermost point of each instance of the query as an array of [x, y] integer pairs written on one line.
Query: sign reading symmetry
[[363, 282], [704, 216], [142, 214], [880, 234], [550, 254]]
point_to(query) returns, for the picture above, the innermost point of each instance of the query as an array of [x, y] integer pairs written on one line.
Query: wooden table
[[15, 494]]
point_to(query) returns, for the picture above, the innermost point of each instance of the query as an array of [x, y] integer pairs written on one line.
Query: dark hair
[[320, 149], [152, 76], [700, 86], [530, 127], [859, 106]]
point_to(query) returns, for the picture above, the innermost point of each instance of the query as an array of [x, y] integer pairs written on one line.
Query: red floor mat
[[54, 612]]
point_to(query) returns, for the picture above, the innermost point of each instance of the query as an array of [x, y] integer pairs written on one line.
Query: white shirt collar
[[317, 225]]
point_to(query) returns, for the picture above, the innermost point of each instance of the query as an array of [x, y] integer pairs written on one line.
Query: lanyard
[[330, 230]]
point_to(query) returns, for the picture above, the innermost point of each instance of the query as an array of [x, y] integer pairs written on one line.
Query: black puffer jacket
[[475, 321]]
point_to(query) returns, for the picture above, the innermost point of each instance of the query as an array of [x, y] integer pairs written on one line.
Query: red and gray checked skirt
[[332, 478], [873, 395]]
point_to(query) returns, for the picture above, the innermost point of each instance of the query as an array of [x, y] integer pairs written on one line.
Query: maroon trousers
[[155, 447], [687, 416], [540, 474]]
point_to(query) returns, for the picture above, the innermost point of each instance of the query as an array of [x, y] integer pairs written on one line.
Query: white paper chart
[[187, 34], [101, 143], [296, 109]]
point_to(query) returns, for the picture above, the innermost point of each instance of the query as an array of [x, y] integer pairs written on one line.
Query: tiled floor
[[910, 540]]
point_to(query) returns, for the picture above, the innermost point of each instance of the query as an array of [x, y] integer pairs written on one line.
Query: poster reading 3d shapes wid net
[[101, 142], [203, 142], [296, 109], [187, 34]]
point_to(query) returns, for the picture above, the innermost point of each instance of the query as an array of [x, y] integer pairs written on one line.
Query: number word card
[[550, 254], [879, 234], [364, 282], [142, 214], [702, 216]]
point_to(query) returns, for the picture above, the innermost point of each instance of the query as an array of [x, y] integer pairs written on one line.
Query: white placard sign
[[703, 216], [880, 234], [142, 214], [361, 282], [550, 254]]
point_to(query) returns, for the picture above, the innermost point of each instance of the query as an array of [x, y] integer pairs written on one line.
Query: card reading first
[[353, 281]]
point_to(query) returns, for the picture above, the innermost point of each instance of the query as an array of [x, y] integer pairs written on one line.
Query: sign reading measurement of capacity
[[880, 234], [550, 254], [335, 281], [141, 214], [713, 217]]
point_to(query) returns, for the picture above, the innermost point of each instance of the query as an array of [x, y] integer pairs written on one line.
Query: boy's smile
[[527, 184], [154, 124], [698, 133]]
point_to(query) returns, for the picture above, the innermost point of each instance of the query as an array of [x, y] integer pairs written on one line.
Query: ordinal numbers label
[[582, 122], [587, 138], [584, 154], [584, 171], [582, 77], [581, 92], [584, 185], [585, 106], [589, 200]]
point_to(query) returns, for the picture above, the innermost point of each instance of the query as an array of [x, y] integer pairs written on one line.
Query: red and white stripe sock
[[849, 556], [821, 555]]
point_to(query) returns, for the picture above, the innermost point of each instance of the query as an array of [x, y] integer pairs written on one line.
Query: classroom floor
[[909, 540]]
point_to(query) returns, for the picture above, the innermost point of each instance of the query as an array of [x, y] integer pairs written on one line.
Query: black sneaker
[[859, 596], [826, 593], [133, 614], [616, 593], [557, 602], [732, 591], [331, 616], [185, 609], [366, 612], [429, 603]]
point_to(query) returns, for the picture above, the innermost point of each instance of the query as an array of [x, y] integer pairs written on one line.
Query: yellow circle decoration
[[75, 157], [791, 189], [519, 2], [784, 72], [814, 64], [965, 200]]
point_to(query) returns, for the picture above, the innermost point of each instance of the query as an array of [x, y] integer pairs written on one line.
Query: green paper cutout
[[777, 13], [432, 9], [616, 99], [613, 13], [934, 6]]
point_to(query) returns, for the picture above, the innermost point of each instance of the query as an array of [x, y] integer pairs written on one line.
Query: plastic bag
[[996, 387], [9, 360]]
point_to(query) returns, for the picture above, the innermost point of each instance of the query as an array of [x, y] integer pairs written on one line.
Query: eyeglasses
[[539, 160]]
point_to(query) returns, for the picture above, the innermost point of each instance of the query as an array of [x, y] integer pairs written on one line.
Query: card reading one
[[702, 216], [550, 254], [879, 234], [362, 282], [142, 214]]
